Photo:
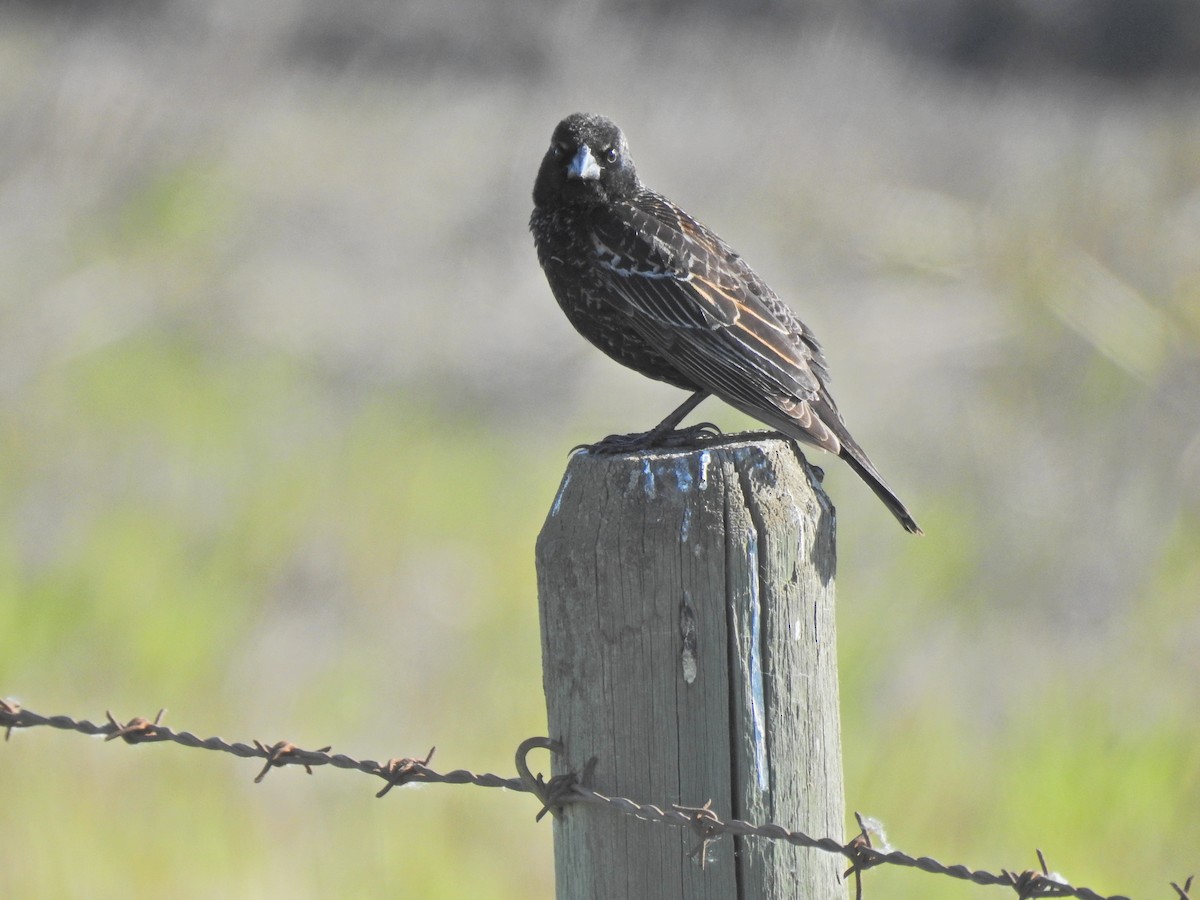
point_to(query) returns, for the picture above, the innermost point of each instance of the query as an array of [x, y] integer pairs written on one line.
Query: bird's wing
[[707, 311]]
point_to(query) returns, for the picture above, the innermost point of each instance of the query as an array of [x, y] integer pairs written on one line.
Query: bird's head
[[588, 161]]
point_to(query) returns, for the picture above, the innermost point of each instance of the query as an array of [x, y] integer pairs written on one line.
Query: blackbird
[[662, 294]]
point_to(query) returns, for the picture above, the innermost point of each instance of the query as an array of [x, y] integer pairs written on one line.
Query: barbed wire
[[562, 790]]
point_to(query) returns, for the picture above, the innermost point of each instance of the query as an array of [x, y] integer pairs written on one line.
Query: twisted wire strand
[[558, 792]]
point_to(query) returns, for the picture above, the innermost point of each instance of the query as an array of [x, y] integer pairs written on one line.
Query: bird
[[662, 294]]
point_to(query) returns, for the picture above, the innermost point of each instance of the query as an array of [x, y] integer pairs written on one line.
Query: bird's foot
[[671, 439]]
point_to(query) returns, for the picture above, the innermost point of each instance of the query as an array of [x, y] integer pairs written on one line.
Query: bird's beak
[[584, 165]]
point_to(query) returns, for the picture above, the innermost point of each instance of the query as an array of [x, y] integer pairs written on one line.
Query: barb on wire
[[859, 862], [136, 730], [402, 771], [562, 790], [704, 823]]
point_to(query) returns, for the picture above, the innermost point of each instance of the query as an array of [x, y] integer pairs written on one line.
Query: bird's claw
[[675, 439]]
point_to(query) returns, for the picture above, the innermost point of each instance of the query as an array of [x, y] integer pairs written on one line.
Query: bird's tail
[[857, 460]]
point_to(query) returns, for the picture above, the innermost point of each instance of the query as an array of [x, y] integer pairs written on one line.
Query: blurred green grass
[[283, 401], [272, 560]]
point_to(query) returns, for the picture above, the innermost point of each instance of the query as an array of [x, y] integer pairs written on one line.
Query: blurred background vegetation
[[284, 399]]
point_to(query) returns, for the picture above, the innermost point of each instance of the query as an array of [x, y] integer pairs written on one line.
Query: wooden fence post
[[688, 642]]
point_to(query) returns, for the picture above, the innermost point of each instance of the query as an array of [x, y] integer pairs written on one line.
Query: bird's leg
[[661, 435], [667, 425]]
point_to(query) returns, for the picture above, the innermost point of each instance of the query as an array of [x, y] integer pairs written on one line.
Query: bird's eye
[[611, 154], [557, 151]]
